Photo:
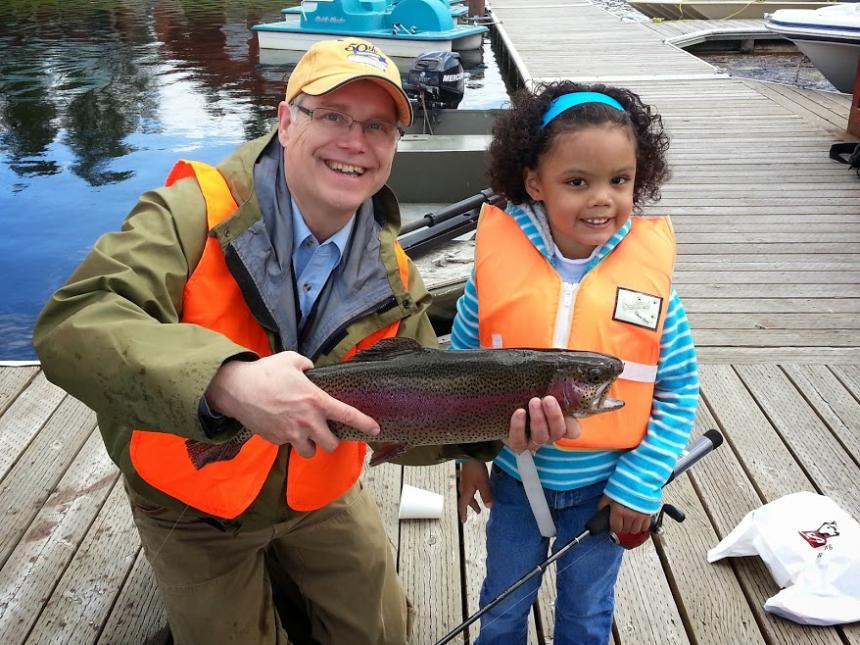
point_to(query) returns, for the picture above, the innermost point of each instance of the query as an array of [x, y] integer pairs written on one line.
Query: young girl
[[567, 265]]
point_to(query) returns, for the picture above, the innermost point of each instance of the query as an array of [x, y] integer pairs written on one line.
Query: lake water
[[98, 98]]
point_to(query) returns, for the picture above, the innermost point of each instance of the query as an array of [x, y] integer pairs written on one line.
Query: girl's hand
[[623, 519], [473, 478], [547, 424]]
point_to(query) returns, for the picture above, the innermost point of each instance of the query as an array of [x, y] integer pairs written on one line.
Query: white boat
[[829, 36], [406, 29], [718, 9]]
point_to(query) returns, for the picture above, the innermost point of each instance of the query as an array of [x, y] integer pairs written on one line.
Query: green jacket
[[111, 336]]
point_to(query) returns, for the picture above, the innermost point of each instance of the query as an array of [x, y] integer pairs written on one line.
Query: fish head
[[582, 381]]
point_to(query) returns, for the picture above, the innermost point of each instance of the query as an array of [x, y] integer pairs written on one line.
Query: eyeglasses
[[340, 123]]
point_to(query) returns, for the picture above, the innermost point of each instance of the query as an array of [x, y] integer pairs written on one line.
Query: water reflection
[[98, 98], [89, 77]]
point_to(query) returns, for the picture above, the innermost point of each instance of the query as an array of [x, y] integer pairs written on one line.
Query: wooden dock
[[769, 243]]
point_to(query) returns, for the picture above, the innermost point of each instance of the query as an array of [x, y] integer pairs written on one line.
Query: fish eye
[[595, 375]]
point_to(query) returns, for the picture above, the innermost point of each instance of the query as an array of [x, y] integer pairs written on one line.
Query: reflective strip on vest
[[639, 372], [213, 299], [523, 302]]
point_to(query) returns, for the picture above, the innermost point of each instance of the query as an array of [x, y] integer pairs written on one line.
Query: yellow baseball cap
[[330, 64]]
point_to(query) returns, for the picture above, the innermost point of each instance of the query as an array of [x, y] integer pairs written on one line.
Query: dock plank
[[843, 277], [766, 306], [768, 321], [830, 115], [714, 289], [80, 604], [762, 453], [813, 446], [775, 337], [645, 610], [384, 483], [781, 355], [711, 599], [40, 559], [13, 382], [429, 551], [138, 614], [829, 398], [24, 418], [32, 479]]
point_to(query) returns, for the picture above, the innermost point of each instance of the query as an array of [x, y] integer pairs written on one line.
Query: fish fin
[[385, 452], [388, 348], [201, 453]]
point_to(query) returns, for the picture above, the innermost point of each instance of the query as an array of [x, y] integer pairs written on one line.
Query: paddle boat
[[829, 36], [405, 29], [457, 8]]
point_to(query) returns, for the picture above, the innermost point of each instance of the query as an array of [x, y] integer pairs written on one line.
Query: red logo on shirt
[[818, 538]]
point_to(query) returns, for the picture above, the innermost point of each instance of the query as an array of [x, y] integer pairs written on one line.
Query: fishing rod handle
[[446, 213], [709, 441]]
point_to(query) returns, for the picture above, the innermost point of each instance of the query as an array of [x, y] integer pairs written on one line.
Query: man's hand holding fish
[[273, 398]]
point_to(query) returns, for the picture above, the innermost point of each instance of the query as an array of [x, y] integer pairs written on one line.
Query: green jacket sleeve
[[111, 336]]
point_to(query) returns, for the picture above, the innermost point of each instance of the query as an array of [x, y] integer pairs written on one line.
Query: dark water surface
[[98, 98]]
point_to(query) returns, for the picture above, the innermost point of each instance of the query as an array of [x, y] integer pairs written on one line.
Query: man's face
[[330, 173]]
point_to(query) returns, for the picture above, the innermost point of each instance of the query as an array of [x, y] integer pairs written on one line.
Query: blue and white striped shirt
[[635, 477]]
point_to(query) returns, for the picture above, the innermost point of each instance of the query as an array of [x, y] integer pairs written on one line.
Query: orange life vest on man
[[213, 299], [618, 308]]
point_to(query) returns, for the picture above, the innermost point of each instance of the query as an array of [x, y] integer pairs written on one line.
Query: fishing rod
[[457, 208], [599, 523], [445, 223]]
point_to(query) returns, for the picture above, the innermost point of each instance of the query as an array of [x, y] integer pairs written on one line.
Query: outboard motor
[[436, 81]]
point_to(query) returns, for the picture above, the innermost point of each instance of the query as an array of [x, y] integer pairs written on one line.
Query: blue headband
[[566, 101]]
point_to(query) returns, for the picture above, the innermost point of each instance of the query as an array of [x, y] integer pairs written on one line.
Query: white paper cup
[[420, 504]]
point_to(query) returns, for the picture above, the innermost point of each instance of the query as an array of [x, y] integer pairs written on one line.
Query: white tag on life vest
[[637, 308]]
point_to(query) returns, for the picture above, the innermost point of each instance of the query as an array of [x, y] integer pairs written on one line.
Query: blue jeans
[[585, 575]]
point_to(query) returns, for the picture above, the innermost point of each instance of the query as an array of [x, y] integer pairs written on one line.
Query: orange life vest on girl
[[618, 308], [212, 299]]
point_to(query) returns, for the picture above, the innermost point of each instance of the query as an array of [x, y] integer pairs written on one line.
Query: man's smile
[[345, 168]]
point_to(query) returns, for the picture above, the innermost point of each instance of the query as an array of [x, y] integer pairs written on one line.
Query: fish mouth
[[607, 404], [604, 403]]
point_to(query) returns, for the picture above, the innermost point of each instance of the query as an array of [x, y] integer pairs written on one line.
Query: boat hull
[[836, 61], [296, 41], [274, 37], [457, 11], [829, 36]]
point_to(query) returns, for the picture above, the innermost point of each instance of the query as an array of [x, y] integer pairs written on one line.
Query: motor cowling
[[436, 81]]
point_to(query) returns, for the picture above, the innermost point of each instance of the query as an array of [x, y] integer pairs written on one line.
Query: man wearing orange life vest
[[188, 332]]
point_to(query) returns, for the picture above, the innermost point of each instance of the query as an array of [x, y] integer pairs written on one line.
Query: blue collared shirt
[[312, 265], [313, 262]]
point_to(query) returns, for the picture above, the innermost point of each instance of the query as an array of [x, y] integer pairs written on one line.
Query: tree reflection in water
[[90, 74], [98, 98]]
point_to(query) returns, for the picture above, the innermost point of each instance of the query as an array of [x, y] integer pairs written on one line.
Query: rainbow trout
[[422, 396]]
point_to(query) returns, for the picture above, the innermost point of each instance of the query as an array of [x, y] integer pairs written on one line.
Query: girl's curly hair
[[519, 142]]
